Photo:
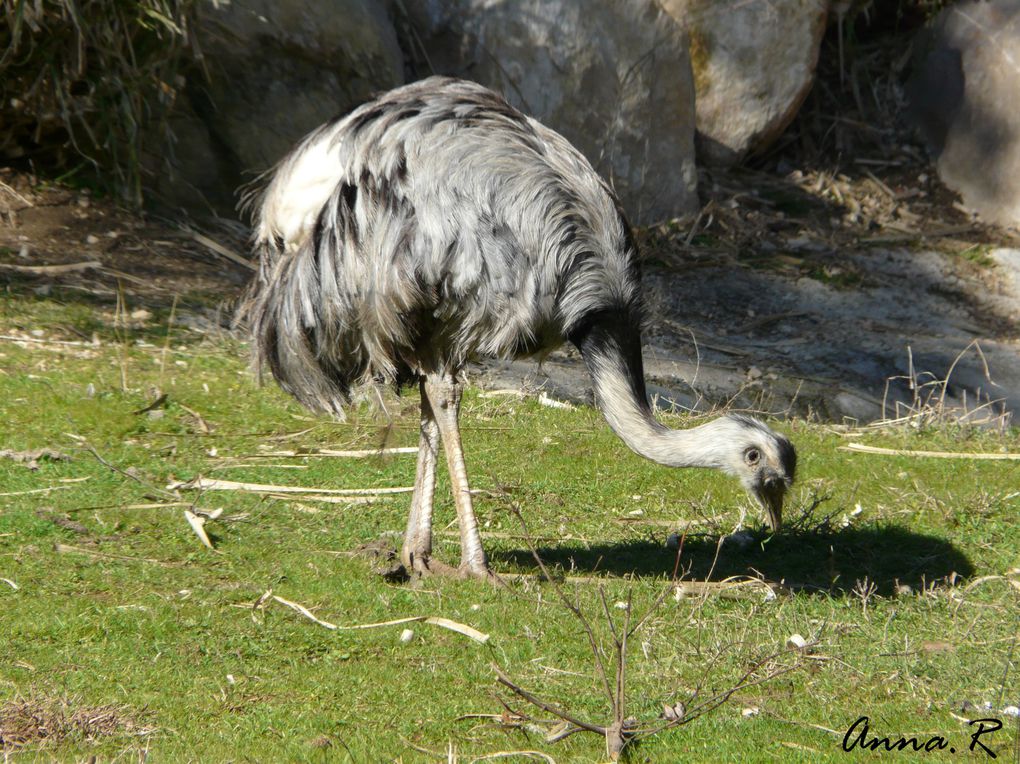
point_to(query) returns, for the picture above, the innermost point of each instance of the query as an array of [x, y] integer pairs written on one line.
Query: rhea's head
[[765, 463]]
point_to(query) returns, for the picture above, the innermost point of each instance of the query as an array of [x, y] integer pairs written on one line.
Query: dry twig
[[621, 730], [206, 484], [444, 623], [863, 449]]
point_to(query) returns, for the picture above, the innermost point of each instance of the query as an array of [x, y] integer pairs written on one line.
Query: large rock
[[754, 63], [613, 76], [277, 69], [963, 96]]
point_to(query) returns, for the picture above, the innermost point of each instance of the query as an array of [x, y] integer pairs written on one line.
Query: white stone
[[796, 642], [754, 63], [963, 100]]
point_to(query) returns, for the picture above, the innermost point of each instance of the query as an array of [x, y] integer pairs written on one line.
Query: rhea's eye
[[752, 455]]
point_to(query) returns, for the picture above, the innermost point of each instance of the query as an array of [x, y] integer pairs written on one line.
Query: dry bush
[[932, 405], [88, 85], [38, 722]]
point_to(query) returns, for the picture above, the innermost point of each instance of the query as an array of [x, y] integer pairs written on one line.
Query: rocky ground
[[776, 298], [822, 314]]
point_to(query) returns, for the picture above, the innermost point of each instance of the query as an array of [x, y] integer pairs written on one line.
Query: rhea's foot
[[478, 572], [422, 566]]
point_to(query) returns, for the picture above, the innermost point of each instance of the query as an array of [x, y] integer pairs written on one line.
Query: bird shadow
[[877, 560]]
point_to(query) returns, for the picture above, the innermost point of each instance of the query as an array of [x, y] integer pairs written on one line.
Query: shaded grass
[[143, 618]]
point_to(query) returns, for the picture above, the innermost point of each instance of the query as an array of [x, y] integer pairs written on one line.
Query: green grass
[[145, 619]]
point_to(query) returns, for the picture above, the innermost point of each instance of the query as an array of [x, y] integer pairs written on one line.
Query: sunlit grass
[[127, 608]]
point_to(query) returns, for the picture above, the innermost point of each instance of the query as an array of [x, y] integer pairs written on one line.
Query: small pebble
[[406, 635], [92, 239], [796, 642], [747, 713]]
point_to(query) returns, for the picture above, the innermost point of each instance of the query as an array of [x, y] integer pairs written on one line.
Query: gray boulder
[[277, 69], [754, 63], [963, 98], [613, 76]]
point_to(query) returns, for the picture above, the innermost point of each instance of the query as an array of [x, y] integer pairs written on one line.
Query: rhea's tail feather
[[288, 337]]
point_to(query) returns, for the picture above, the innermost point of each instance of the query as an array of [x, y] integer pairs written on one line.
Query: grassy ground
[[124, 635]]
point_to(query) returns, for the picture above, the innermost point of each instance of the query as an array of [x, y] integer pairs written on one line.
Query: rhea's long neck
[[611, 348]]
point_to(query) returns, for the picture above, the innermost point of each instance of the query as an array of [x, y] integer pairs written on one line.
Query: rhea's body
[[438, 224], [429, 227]]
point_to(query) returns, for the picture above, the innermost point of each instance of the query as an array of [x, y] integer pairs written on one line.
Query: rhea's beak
[[770, 493]]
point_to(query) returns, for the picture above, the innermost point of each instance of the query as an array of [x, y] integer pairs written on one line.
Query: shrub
[[88, 85]]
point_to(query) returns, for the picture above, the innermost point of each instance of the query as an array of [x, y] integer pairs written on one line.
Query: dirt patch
[[151, 258], [37, 723]]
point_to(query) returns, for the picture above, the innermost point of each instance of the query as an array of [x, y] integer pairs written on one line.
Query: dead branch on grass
[[36, 490], [513, 755], [206, 484], [130, 473], [67, 549], [621, 730], [444, 623], [357, 454], [991, 456]]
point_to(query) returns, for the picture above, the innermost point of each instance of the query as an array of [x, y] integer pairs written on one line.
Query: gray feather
[[432, 226]]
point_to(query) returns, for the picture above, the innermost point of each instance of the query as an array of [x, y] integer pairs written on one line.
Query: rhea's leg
[[444, 394], [416, 553]]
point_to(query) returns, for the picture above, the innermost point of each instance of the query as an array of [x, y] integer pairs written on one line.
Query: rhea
[[438, 224]]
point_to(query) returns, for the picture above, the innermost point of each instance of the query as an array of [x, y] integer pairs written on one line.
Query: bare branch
[[536, 701], [589, 632]]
